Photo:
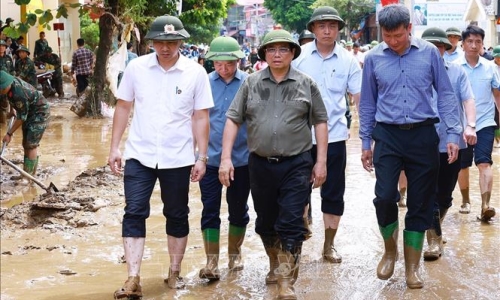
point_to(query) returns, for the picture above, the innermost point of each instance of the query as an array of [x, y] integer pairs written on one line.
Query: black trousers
[[82, 81], [416, 151], [280, 192]]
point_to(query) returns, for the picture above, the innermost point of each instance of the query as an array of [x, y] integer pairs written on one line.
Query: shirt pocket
[[337, 82]]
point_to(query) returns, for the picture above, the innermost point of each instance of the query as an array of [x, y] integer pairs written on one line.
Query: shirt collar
[[292, 74], [181, 63]]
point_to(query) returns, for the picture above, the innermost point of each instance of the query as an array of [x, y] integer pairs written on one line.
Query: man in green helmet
[[170, 95], [225, 82], [337, 73], [448, 172], [454, 36], [279, 106]]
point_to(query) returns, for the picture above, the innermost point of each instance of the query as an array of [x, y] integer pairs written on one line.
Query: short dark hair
[[472, 29], [80, 42], [392, 16], [129, 45], [42, 32], [355, 45]]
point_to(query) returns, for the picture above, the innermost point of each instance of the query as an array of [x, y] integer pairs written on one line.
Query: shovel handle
[[24, 173]]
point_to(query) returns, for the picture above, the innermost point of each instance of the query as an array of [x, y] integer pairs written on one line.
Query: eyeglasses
[[273, 51]]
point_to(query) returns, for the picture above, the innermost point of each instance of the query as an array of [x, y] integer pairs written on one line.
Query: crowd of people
[[426, 108], [287, 119]]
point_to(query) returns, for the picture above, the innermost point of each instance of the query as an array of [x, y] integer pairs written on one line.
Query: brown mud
[[68, 245]]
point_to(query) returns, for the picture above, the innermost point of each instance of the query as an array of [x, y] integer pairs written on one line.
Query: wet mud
[[68, 245]]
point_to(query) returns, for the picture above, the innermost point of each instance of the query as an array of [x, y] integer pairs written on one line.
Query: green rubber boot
[[413, 242], [211, 243], [385, 267], [235, 240]]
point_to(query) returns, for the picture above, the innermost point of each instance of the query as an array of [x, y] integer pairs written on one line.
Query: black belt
[[275, 159], [408, 126]]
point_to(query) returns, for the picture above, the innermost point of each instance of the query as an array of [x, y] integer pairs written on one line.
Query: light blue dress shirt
[[458, 52], [335, 74], [223, 95]]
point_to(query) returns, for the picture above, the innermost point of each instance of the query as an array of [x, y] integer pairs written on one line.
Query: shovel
[[9, 127], [48, 189]]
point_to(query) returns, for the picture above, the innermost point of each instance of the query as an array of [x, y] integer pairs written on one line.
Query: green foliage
[[89, 31], [292, 15], [351, 11]]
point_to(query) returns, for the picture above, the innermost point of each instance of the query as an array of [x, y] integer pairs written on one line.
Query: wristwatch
[[472, 125], [203, 158]]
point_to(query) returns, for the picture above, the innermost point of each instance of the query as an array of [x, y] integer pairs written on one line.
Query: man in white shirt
[[360, 56], [170, 95]]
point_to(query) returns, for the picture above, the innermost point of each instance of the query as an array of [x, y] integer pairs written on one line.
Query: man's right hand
[[367, 160], [115, 162], [226, 172]]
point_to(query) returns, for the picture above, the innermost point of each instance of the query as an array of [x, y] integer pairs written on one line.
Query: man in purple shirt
[[397, 112]]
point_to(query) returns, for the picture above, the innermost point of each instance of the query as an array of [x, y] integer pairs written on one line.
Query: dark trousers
[[57, 85], [82, 81], [236, 197], [280, 192], [139, 182], [447, 180], [416, 151], [332, 191]]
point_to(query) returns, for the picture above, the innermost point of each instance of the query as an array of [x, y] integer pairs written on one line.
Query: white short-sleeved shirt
[[335, 75], [161, 133]]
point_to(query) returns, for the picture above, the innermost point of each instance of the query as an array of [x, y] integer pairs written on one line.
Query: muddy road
[[68, 246]]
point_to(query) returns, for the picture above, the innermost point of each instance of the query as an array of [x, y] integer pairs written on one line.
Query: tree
[[291, 14], [200, 18]]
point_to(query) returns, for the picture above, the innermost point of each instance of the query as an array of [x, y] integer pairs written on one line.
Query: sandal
[[174, 281], [131, 289], [487, 214]]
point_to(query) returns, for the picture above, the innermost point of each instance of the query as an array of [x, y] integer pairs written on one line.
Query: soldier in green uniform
[[53, 59], [41, 46], [25, 67], [7, 65], [32, 112]]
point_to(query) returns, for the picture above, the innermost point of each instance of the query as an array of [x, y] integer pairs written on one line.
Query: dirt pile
[[72, 207]]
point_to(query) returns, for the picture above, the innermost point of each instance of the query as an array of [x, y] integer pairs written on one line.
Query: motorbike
[[44, 81]]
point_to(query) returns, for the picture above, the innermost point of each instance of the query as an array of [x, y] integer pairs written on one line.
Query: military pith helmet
[[167, 28], [306, 34], [436, 35], [374, 43], [48, 50], [5, 79], [224, 48], [496, 51], [324, 13], [454, 31], [23, 48], [278, 36], [3, 43]]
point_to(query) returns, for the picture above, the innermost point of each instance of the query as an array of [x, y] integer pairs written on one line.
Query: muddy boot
[[174, 280], [385, 267], [402, 197], [487, 212], [329, 252], [413, 242], [272, 245], [465, 207], [29, 166], [305, 218], [131, 289], [289, 259], [434, 239], [442, 213], [235, 240], [211, 243]]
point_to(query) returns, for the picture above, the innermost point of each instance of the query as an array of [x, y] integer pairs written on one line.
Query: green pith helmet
[[167, 28], [454, 31], [3, 43], [5, 79], [23, 48], [496, 51], [224, 48], [436, 35], [374, 43], [324, 13], [278, 36], [306, 34], [48, 50]]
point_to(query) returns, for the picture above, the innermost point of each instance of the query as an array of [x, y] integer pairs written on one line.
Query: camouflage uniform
[[25, 69], [7, 64], [40, 47], [56, 81], [32, 108]]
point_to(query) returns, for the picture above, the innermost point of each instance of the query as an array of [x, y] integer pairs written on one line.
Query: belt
[[409, 126], [275, 159]]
